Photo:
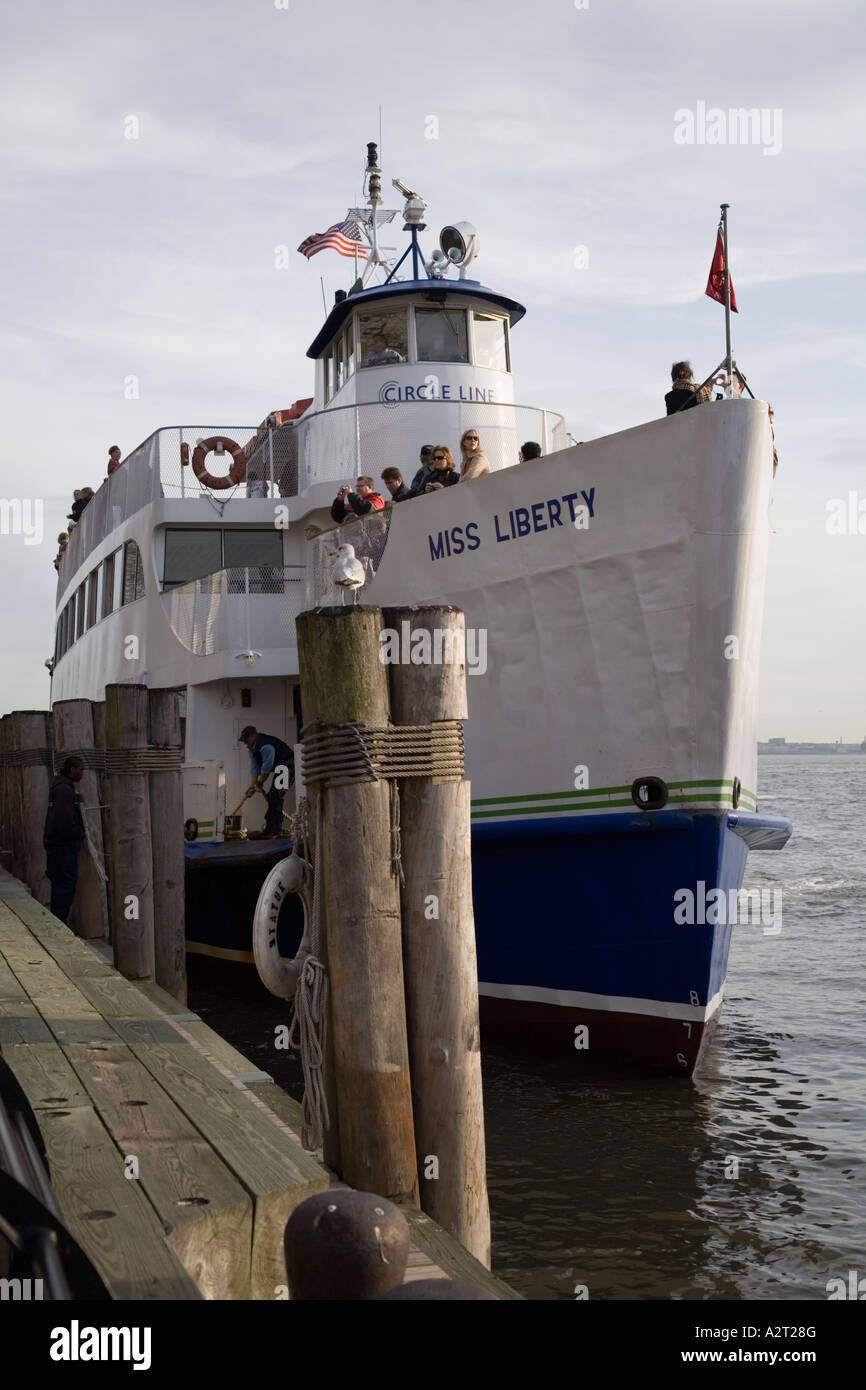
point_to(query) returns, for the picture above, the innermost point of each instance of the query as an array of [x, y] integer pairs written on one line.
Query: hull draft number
[[219, 444], [279, 974]]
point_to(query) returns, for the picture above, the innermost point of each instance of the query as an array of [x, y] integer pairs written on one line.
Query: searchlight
[[460, 244]]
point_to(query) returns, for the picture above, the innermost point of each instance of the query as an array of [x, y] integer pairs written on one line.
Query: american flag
[[343, 237]]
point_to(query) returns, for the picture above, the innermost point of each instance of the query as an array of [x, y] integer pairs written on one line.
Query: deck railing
[[327, 446], [247, 610]]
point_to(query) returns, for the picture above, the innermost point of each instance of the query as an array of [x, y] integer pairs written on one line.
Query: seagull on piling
[[347, 570]]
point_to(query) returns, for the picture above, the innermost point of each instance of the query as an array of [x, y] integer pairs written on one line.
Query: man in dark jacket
[[425, 472], [269, 754], [64, 836], [393, 480]]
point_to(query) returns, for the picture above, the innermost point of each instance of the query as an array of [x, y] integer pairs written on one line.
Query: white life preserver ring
[[279, 974]]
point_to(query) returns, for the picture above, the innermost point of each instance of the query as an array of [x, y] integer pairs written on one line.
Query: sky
[[552, 127]]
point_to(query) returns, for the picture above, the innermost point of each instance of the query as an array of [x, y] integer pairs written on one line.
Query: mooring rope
[[309, 1027], [338, 754]]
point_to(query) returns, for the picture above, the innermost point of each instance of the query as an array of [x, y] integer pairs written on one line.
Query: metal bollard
[[345, 1245]]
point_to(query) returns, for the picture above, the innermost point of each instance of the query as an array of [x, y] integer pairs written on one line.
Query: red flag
[[716, 283]]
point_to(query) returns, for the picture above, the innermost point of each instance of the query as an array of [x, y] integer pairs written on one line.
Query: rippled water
[[745, 1182]]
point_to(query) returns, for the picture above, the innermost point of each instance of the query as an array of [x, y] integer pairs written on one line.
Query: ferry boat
[[614, 591]]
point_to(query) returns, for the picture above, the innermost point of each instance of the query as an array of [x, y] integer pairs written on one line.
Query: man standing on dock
[[269, 754], [64, 836]]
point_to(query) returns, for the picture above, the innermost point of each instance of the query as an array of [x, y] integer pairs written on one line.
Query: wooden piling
[[343, 681], [73, 733], [128, 799], [31, 736], [7, 837], [166, 819], [98, 712], [439, 955]]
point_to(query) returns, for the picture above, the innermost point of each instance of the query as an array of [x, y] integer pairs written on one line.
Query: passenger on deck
[[425, 472], [256, 486], [356, 502], [475, 463], [684, 393], [62, 541], [444, 473], [393, 480], [530, 450], [113, 458], [81, 497]]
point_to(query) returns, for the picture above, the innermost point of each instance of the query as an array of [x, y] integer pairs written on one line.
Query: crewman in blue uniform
[[269, 754]]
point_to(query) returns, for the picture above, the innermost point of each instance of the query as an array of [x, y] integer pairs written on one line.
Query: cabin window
[[133, 573], [191, 554], [107, 586], [100, 591], [441, 335], [384, 337], [79, 612], [326, 377], [259, 552], [491, 341], [339, 365], [69, 625], [91, 599], [117, 575]]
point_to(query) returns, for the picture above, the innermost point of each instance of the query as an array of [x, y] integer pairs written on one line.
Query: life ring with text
[[221, 445], [279, 974]]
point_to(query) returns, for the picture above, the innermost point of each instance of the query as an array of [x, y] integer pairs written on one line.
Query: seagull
[[347, 570]]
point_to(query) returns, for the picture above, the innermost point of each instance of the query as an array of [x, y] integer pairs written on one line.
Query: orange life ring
[[236, 473]]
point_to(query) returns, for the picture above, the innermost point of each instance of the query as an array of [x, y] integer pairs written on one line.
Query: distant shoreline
[[784, 747]]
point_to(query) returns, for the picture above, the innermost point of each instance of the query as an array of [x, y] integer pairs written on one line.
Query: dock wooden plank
[[449, 1256], [108, 1215], [203, 1208], [277, 1173], [206, 1213]]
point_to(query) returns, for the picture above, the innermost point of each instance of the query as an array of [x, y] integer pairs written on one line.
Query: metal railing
[[247, 610], [367, 535], [151, 471], [328, 446]]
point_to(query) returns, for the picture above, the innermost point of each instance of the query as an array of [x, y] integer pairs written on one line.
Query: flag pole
[[729, 368]]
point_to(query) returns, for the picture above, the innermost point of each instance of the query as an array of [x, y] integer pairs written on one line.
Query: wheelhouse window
[[441, 335], [384, 337], [190, 554], [349, 350], [79, 612], [491, 341], [133, 573]]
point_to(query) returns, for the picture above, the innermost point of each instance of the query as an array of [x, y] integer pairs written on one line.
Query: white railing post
[[247, 603], [271, 461], [545, 447], [180, 458]]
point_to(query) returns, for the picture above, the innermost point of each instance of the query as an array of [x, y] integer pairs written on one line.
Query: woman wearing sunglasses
[[444, 474], [474, 461]]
